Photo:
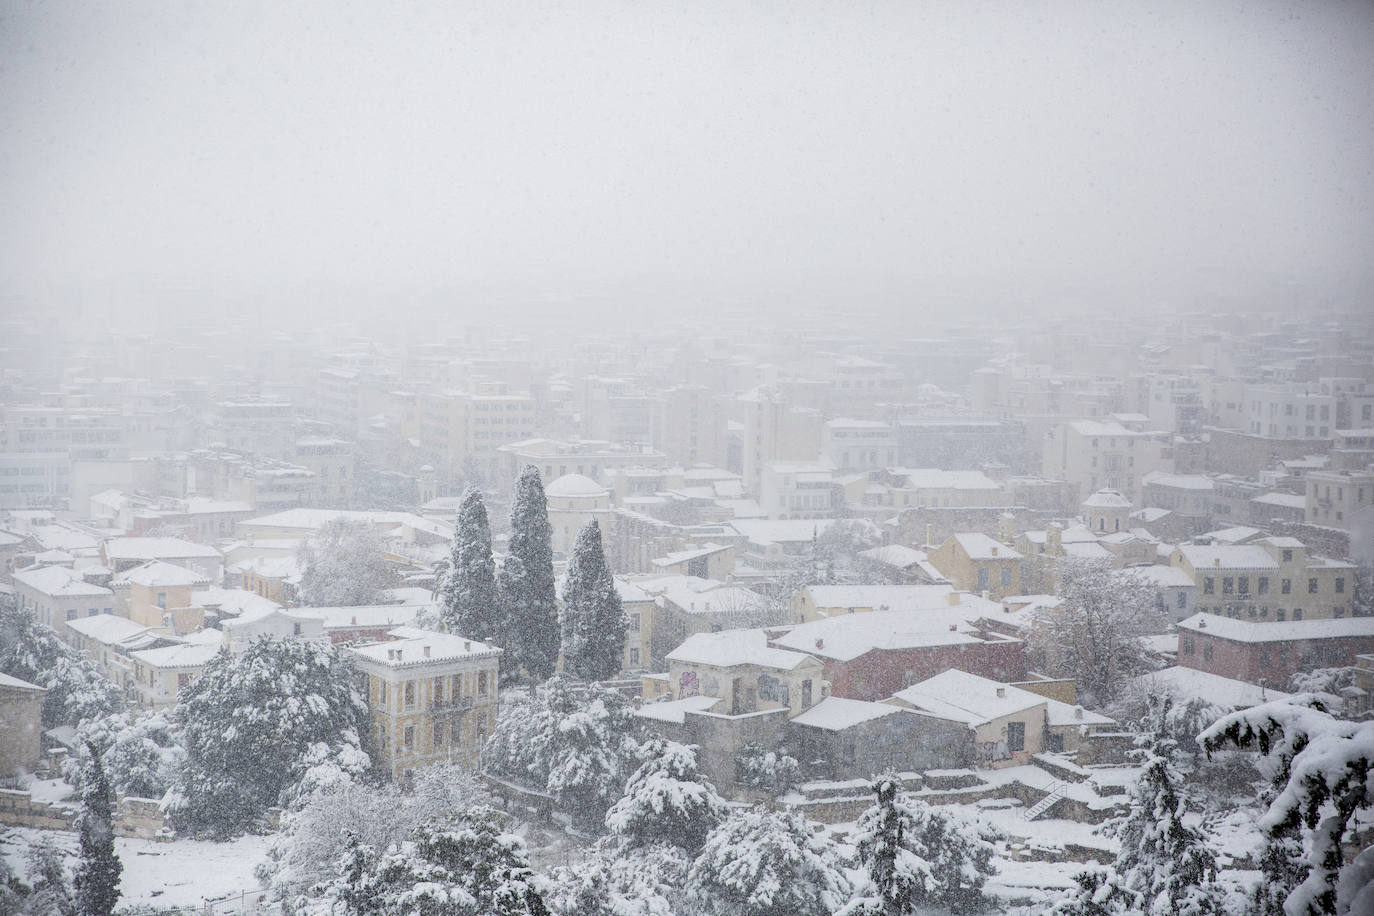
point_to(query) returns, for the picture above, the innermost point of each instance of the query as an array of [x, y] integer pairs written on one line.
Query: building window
[[481, 683], [1181, 600], [1311, 586], [1228, 585], [1016, 736], [457, 685], [1262, 585], [634, 656], [381, 693], [438, 690], [1286, 586], [409, 694], [1340, 586], [1207, 652], [1243, 585], [1280, 614], [1209, 586], [183, 680], [1188, 645], [983, 579], [408, 737], [1288, 556], [438, 735], [1297, 613]]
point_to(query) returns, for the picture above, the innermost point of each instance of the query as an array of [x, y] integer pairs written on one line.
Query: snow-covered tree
[[1324, 776], [470, 603], [32, 652], [529, 602], [344, 565], [592, 619], [49, 890], [141, 754], [1164, 866], [97, 873], [667, 800], [469, 869], [771, 771], [307, 850], [579, 743], [259, 724], [913, 854], [1095, 636], [767, 863], [614, 880]]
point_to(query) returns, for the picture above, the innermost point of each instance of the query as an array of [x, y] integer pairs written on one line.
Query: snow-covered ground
[[184, 873]]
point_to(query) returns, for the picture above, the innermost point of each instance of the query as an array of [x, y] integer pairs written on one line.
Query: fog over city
[[764, 156], [700, 459]]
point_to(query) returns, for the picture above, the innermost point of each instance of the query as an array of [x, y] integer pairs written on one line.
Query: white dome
[[573, 486], [1107, 499]]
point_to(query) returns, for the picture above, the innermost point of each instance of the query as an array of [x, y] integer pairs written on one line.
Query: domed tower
[[1106, 512]]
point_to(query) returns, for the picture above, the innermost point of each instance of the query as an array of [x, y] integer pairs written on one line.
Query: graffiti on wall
[[687, 685]]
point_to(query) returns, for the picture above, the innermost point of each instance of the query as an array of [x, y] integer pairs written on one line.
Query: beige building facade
[[432, 698]]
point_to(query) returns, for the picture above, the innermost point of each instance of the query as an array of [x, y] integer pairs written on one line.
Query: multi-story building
[[1271, 653], [431, 698], [55, 594], [861, 445], [1333, 497], [332, 463], [694, 426], [1289, 411], [1093, 454], [1271, 580], [974, 562]]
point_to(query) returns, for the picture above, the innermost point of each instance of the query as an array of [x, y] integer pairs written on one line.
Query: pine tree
[[593, 620], [530, 633], [765, 863], [916, 855], [667, 800], [470, 602], [1164, 867], [97, 874], [260, 724]]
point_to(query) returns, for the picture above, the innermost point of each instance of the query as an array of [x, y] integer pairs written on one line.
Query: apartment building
[[1270, 580], [1096, 454], [431, 698]]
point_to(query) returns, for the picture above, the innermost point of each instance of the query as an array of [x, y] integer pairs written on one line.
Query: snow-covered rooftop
[[1237, 630], [1188, 683], [411, 646], [157, 549], [1107, 499], [574, 486], [1241, 556], [157, 574], [979, 546], [60, 582], [106, 628], [17, 684], [851, 635], [675, 711], [937, 479], [187, 655], [836, 713], [729, 648], [955, 694]]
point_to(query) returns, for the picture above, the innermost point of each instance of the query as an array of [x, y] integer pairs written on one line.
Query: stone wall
[[139, 818]]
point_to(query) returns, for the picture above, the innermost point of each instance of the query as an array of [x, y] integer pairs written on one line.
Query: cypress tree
[[97, 874], [593, 619], [529, 603], [470, 602]]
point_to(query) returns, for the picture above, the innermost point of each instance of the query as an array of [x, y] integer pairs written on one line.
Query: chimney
[[1216, 561], [1202, 624], [467, 645], [426, 651], [994, 550], [1001, 693], [353, 622], [1078, 712], [820, 643], [952, 599]]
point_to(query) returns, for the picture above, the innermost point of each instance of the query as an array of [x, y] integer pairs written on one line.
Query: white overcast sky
[[737, 151]]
